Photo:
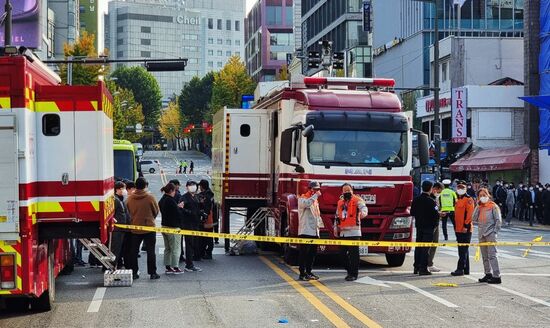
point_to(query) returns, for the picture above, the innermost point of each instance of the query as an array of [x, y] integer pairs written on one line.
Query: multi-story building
[[269, 38], [205, 32], [66, 24], [340, 22], [403, 31], [89, 18]]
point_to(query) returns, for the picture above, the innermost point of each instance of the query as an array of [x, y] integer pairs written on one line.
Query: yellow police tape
[[315, 241]]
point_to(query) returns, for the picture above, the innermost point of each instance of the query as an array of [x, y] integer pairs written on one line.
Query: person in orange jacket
[[464, 208]]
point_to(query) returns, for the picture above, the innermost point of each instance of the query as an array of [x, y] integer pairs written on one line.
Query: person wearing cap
[[309, 221], [426, 218], [464, 209], [349, 212], [447, 201], [191, 212]]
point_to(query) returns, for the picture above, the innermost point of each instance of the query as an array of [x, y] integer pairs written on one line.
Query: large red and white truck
[[56, 175], [331, 130]]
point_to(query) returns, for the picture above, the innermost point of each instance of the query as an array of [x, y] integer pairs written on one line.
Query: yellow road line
[[328, 313], [340, 301]]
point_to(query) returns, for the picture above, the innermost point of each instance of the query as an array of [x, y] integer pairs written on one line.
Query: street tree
[[145, 88], [83, 74], [170, 124], [127, 112], [230, 84], [194, 104]]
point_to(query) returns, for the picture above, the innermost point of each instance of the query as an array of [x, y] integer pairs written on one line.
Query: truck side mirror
[[286, 146], [308, 131], [423, 149]]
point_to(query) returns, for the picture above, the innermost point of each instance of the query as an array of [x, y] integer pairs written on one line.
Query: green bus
[[126, 167]]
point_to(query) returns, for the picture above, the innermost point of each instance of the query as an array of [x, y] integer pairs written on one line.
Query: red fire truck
[[331, 130], [56, 175]]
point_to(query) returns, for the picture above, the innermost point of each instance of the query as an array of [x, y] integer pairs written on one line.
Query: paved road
[[260, 291]]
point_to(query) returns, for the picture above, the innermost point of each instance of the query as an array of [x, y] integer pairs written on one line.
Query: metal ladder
[[100, 251], [250, 226]]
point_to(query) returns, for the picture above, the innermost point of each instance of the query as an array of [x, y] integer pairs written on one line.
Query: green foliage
[[126, 112], [230, 84], [145, 89], [82, 74]]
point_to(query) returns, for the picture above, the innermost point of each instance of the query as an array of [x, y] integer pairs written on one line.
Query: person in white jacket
[[309, 221]]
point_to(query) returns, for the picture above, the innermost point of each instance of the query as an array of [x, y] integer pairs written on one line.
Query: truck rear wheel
[[290, 255], [395, 260], [45, 301]]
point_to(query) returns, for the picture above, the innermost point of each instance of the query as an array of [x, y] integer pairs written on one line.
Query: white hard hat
[[446, 182]]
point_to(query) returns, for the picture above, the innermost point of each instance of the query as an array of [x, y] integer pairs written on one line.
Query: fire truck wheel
[[45, 301], [290, 255], [395, 260], [151, 170]]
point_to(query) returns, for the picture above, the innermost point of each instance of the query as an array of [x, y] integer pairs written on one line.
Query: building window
[[82, 24], [146, 54], [210, 64], [228, 42], [228, 53], [237, 25], [443, 72], [274, 15], [210, 52], [119, 42], [145, 42], [219, 24], [281, 39], [237, 42], [220, 64], [193, 60], [220, 41], [210, 41], [228, 25], [82, 9], [145, 29], [210, 23], [120, 29], [237, 53], [120, 54], [220, 53]]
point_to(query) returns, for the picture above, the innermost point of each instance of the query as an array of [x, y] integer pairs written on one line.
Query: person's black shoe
[[154, 276], [135, 276], [494, 280], [424, 273], [304, 277], [351, 278], [457, 273], [466, 273], [415, 271], [486, 278], [312, 276]]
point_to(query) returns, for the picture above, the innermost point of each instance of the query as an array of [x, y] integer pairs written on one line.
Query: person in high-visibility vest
[[447, 200]]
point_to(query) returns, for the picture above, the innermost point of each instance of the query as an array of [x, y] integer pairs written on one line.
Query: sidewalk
[[525, 225]]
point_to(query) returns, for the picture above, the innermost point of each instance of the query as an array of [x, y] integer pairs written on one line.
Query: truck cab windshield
[[358, 148]]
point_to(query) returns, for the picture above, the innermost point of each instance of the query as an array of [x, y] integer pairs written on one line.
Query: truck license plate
[[363, 250], [369, 199]]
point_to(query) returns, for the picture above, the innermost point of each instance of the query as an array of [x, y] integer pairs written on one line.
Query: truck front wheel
[[395, 260]]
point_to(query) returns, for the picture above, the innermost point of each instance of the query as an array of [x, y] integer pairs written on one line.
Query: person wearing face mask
[[351, 209], [488, 218], [143, 209], [206, 199], [464, 209], [524, 199], [171, 218], [436, 195], [447, 202], [531, 198], [510, 203], [546, 204], [119, 236], [191, 219], [426, 219], [309, 221], [538, 203]]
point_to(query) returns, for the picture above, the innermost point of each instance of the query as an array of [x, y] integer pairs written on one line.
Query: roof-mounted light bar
[[326, 81]]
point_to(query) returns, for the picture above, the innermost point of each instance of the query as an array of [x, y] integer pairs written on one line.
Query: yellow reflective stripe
[[46, 106], [95, 204], [94, 104], [5, 102], [49, 207]]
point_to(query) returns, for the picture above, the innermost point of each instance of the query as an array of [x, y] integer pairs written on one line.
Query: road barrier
[[327, 242]]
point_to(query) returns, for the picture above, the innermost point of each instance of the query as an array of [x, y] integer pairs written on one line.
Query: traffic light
[[338, 60], [314, 59], [338, 65], [166, 66]]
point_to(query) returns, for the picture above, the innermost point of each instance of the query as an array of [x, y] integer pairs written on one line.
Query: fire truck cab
[[331, 130], [56, 175]]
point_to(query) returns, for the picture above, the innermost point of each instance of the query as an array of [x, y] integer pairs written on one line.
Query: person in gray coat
[[510, 202], [309, 221], [488, 218]]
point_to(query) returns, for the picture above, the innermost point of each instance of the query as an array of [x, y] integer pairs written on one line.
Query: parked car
[[149, 166]]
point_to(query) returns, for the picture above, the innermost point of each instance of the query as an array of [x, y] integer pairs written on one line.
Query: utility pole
[[437, 126], [7, 28]]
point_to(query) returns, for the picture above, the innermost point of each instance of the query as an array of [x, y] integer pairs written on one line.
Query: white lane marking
[[371, 281], [508, 290], [96, 301], [519, 274], [425, 293], [76, 283]]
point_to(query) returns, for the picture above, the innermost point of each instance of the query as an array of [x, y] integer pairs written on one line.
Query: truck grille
[[369, 223]]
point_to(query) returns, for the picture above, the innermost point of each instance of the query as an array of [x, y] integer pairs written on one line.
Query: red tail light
[[7, 271]]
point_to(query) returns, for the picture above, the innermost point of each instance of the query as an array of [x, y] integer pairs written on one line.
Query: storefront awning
[[539, 101], [512, 158]]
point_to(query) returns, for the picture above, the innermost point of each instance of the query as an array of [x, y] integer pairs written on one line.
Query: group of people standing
[[529, 203], [182, 169], [192, 210], [432, 205]]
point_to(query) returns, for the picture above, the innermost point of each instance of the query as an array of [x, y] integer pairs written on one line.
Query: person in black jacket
[[206, 198], [426, 215], [191, 209], [546, 204], [171, 218], [121, 217]]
